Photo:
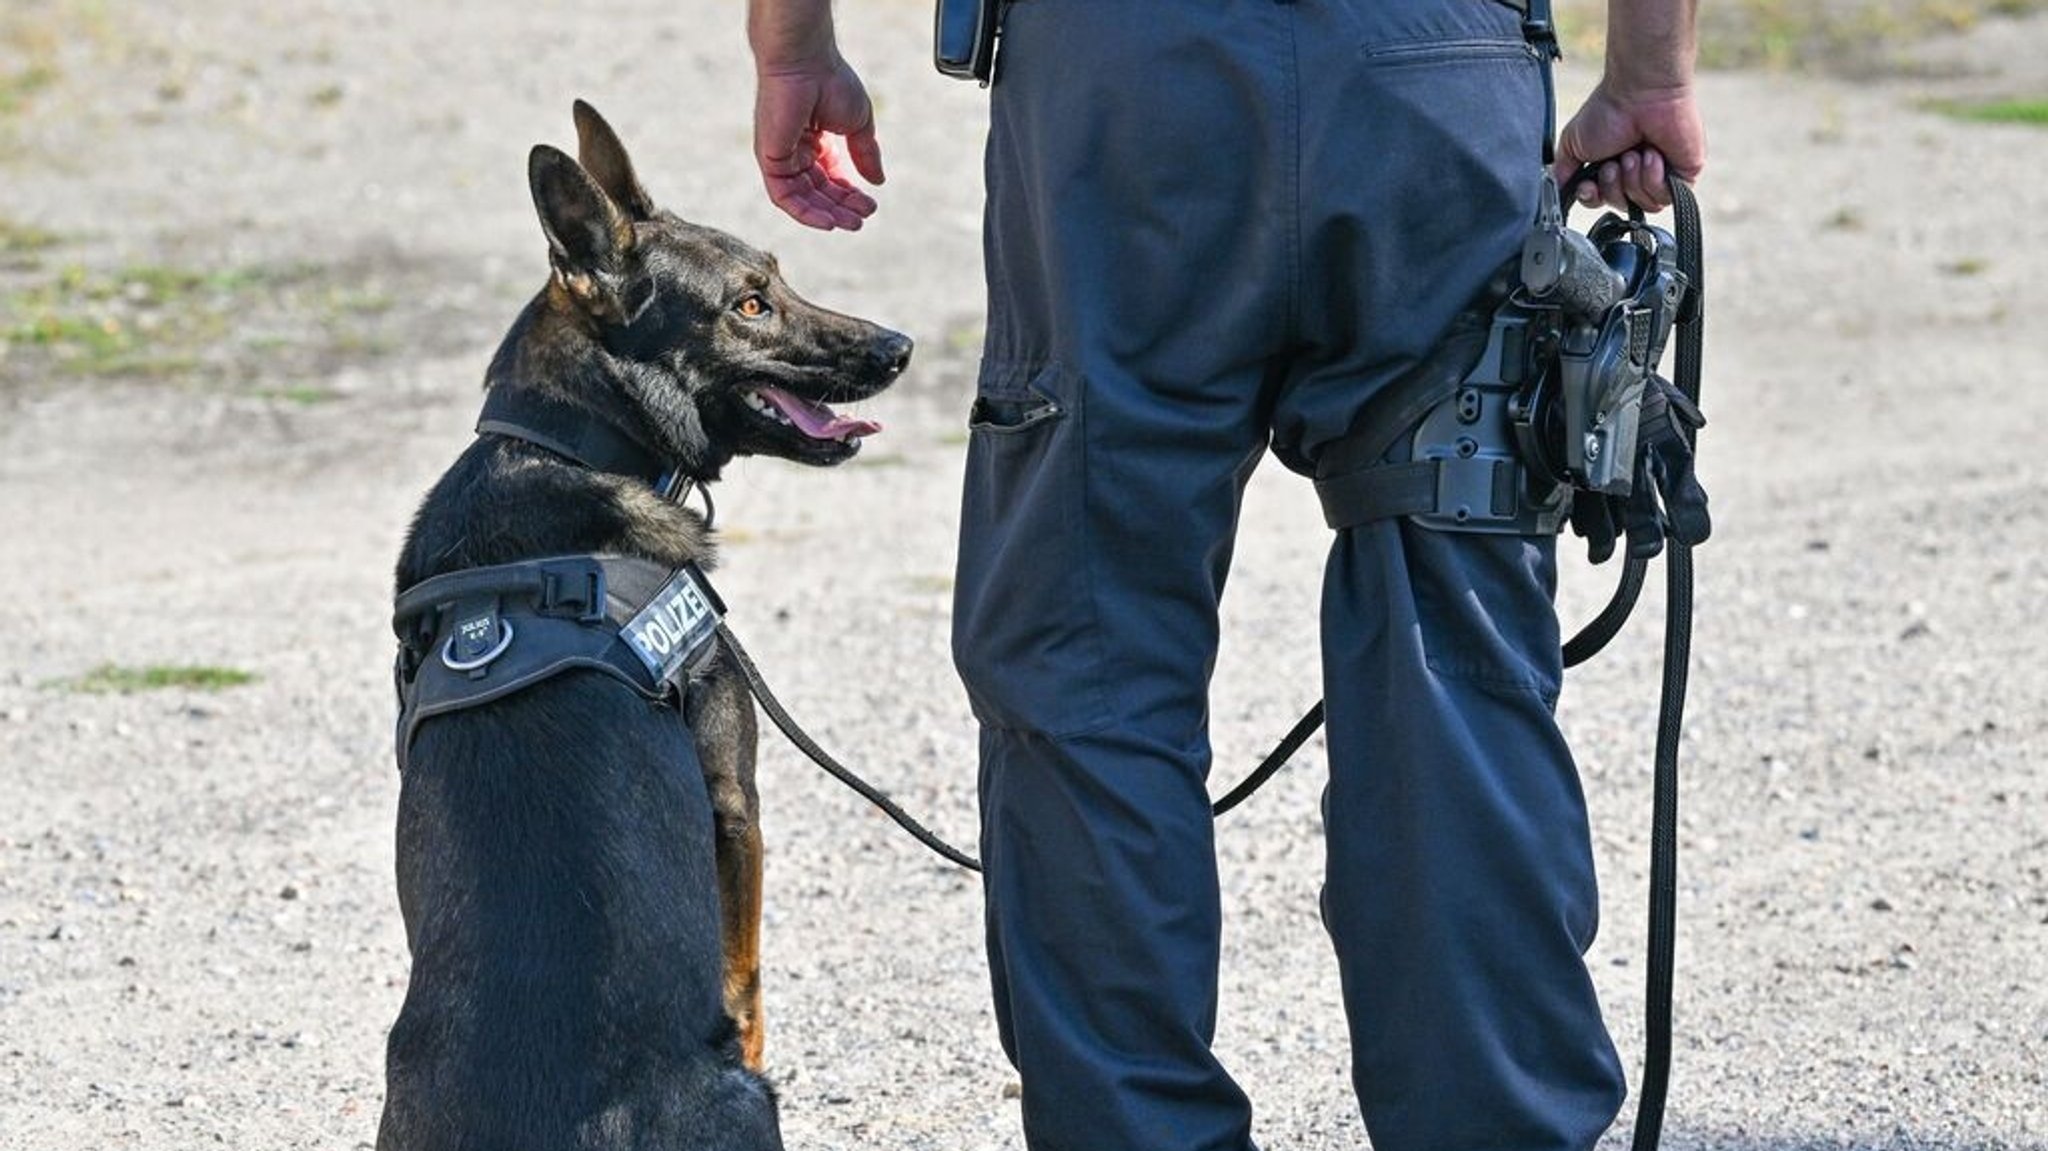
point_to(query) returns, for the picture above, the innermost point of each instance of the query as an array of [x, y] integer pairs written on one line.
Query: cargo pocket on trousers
[[1024, 621], [1486, 611]]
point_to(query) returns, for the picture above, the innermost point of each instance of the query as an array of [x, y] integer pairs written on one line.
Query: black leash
[[1670, 721], [794, 732], [839, 771]]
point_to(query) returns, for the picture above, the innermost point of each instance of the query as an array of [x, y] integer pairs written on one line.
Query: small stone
[[289, 891], [1918, 629], [1881, 904], [1013, 1090]]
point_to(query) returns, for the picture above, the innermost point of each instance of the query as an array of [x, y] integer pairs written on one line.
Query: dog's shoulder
[[504, 501]]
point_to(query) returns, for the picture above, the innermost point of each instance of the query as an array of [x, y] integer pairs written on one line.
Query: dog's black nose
[[891, 354]]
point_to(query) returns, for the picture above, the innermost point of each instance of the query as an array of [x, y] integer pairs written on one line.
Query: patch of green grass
[[19, 88], [1852, 37], [18, 239], [2032, 112], [930, 584], [305, 395], [1966, 266], [83, 334], [245, 327], [145, 321], [351, 341], [110, 678], [30, 36], [360, 301]]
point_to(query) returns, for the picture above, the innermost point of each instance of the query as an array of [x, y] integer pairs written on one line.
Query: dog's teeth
[[759, 403]]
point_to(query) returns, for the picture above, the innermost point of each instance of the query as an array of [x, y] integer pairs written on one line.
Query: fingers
[[1635, 177], [1642, 179], [866, 153], [812, 198]]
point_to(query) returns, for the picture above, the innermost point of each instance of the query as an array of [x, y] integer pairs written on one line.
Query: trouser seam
[[1292, 126]]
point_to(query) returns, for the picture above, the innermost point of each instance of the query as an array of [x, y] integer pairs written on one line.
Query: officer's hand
[[1636, 137], [796, 107]]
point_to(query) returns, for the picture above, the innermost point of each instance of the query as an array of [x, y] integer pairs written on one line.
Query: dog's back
[[556, 856]]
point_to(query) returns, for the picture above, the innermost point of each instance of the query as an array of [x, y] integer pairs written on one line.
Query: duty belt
[[470, 637]]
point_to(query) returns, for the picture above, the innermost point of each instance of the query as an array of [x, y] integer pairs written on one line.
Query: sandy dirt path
[[199, 943]]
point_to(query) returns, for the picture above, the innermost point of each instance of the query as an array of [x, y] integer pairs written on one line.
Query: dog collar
[[577, 433]]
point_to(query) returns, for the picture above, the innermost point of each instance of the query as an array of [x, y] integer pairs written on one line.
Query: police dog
[[583, 908]]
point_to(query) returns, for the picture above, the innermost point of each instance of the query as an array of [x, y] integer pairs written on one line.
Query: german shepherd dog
[[582, 906]]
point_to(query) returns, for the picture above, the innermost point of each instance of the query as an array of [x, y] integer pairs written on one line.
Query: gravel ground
[[199, 943]]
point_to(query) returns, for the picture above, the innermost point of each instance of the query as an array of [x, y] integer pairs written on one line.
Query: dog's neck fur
[[539, 503], [553, 349]]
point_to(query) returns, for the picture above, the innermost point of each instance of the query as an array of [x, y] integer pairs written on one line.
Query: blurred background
[[253, 259]]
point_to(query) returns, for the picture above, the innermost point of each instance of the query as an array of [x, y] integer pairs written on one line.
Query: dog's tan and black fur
[[583, 907]]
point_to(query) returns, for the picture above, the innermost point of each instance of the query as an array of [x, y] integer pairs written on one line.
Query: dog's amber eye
[[753, 307]]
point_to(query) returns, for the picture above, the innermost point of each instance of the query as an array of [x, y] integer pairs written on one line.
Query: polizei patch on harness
[[673, 634]]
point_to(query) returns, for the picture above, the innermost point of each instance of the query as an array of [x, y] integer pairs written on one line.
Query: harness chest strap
[[471, 637]]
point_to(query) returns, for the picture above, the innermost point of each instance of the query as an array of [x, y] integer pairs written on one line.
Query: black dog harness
[[470, 637]]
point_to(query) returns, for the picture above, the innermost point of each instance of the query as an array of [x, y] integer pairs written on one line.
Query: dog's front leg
[[722, 717]]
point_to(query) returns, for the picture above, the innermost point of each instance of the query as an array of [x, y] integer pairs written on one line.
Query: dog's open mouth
[[812, 419]]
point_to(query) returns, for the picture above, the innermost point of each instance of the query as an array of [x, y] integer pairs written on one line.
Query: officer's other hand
[[1635, 136], [799, 108]]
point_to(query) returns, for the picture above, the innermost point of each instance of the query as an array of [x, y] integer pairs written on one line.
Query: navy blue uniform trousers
[[1215, 228]]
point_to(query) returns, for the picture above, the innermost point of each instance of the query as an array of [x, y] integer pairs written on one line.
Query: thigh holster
[[1446, 443]]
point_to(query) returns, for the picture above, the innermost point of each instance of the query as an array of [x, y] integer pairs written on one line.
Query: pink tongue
[[816, 420]]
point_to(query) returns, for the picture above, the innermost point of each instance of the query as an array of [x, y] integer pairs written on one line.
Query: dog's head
[[719, 354]]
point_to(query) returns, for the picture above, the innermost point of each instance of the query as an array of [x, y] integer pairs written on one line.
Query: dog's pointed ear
[[588, 237], [601, 154]]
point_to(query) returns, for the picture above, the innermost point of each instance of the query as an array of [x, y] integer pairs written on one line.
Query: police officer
[[1216, 228]]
